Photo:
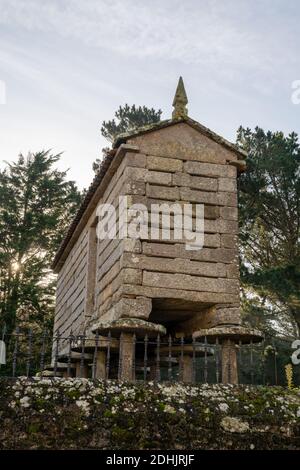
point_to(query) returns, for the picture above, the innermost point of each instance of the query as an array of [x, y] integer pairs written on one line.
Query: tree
[[269, 211], [129, 118], [37, 204]]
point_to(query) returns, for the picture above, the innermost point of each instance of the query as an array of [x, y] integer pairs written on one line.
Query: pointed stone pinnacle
[[180, 101]]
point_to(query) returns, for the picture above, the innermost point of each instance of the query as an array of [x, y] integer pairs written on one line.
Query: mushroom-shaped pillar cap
[[76, 356], [236, 333], [90, 344], [48, 373], [129, 325], [187, 350]]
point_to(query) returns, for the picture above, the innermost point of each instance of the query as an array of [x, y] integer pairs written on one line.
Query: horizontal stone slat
[[186, 282], [210, 169], [174, 265]]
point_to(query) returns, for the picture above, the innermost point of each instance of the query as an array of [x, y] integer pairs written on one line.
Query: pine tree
[[269, 200], [37, 203], [129, 118]]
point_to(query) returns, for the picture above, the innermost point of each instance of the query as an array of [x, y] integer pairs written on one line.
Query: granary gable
[[189, 123], [179, 134]]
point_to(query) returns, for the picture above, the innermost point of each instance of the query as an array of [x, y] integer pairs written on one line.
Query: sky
[[67, 65]]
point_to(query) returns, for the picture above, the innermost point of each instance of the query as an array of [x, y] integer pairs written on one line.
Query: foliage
[[37, 203], [269, 214], [289, 375], [127, 118]]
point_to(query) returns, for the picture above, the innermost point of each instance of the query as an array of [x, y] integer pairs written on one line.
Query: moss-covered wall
[[81, 414]]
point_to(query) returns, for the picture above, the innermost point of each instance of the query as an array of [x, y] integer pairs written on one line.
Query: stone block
[[148, 176], [176, 250], [132, 245], [210, 169], [138, 307], [134, 187], [164, 164], [211, 212], [229, 240], [134, 159], [159, 178], [131, 276], [227, 184], [135, 173], [233, 270], [221, 199], [162, 192], [174, 265], [201, 297], [186, 282], [229, 213], [195, 182], [220, 226]]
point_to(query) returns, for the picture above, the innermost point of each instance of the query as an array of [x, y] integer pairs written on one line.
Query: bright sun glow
[[15, 266]]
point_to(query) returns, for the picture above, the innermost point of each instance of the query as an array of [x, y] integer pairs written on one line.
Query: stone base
[[229, 362], [127, 357], [82, 371]]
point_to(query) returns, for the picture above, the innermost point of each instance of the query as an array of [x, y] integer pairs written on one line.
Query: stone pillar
[[100, 372], [229, 362], [186, 368], [66, 375], [82, 372], [126, 357], [152, 373]]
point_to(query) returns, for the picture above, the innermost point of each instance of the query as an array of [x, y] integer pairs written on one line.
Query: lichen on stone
[[231, 424], [43, 413]]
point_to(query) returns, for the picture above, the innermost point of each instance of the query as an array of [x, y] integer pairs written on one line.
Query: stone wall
[[71, 289], [81, 414], [92, 273]]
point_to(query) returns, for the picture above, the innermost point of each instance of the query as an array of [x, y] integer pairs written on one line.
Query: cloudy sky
[[68, 64]]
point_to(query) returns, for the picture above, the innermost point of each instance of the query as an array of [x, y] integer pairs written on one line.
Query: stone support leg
[[66, 375], [186, 368], [82, 372], [153, 372], [126, 357], [100, 372], [229, 362]]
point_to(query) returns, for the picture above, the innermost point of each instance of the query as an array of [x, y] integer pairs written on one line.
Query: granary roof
[[179, 116], [122, 138]]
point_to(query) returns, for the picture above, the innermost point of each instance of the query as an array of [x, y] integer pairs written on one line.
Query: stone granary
[[136, 286]]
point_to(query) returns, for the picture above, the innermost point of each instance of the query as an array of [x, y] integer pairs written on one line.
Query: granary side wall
[[71, 289]]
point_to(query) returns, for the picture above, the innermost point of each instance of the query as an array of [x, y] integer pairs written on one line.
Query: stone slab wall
[[71, 289]]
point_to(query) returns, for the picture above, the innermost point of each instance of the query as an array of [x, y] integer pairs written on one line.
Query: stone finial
[[180, 101]]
